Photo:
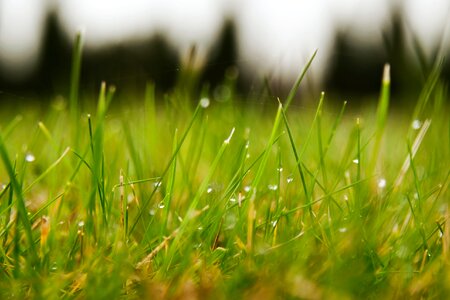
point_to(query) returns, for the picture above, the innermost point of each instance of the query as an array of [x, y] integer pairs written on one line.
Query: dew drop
[[157, 184], [356, 161], [382, 183], [209, 190], [290, 179], [274, 223], [273, 187], [204, 102], [247, 188], [152, 212], [416, 124], [81, 224], [30, 157], [161, 205], [232, 199], [280, 169], [343, 229]]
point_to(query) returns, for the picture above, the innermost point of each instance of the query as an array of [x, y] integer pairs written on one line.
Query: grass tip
[[387, 74], [227, 141]]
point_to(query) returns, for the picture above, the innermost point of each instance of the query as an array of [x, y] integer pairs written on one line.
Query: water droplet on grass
[[290, 179], [152, 212], [30, 157], [161, 205], [157, 184], [280, 169], [343, 229], [356, 161], [382, 183], [204, 102], [81, 224], [232, 199], [209, 190], [273, 187], [416, 124], [247, 188]]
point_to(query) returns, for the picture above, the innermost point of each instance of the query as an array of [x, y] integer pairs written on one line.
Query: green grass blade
[[299, 80], [20, 201], [183, 138], [74, 87], [382, 113]]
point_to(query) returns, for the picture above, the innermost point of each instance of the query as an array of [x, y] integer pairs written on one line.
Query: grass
[[157, 198]]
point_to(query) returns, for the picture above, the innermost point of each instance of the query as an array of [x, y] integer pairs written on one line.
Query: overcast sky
[[273, 35]]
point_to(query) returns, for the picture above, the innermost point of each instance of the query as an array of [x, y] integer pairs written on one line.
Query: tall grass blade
[[299, 80], [75, 86], [20, 201], [382, 112]]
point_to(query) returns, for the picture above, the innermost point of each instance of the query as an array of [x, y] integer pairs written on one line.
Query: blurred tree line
[[355, 68]]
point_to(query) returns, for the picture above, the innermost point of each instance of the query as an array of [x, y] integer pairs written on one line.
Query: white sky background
[[275, 36]]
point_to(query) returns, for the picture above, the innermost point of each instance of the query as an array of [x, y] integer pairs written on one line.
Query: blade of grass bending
[[20, 201], [298, 81], [183, 138], [48, 170], [74, 87]]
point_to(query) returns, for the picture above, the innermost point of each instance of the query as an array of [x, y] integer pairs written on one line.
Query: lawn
[[188, 195]]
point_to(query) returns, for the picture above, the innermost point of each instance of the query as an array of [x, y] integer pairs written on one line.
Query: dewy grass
[[163, 199]]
